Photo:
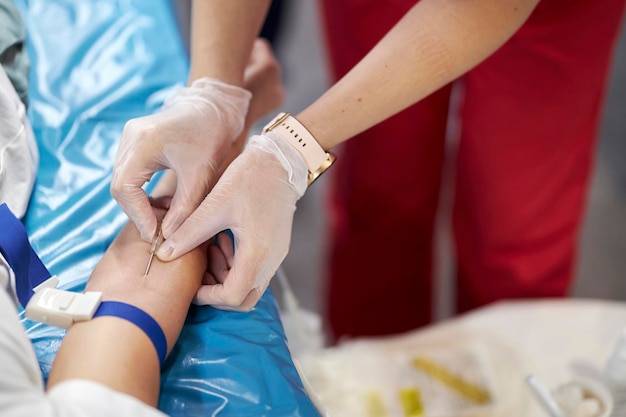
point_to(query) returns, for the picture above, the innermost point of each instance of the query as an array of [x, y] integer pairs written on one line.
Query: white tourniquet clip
[[61, 308]]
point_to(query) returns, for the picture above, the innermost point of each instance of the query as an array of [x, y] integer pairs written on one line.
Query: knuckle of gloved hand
[[140, 129], [124, 193], [253, 298], [116, 187], [131, 127], [234, 299]]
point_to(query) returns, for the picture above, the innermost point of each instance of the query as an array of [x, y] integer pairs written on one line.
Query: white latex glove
[[255, 198], [191, 135]]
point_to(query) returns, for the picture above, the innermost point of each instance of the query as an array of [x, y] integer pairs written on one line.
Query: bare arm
[[434, 43], [222, 33]]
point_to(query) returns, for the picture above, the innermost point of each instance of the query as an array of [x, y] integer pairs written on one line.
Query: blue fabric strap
[[28, 269], [139, 318]]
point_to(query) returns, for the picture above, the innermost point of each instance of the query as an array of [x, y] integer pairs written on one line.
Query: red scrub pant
[[528, 121]]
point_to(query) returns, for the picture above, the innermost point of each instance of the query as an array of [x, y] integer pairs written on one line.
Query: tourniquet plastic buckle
[[60, 308]]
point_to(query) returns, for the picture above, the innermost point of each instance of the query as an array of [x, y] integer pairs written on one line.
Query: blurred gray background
[[602, 262]]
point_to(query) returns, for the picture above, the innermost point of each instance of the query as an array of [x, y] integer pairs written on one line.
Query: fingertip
[[169, 224], [166, 252], [165, 231], [146, 228], [200, 297], [145, 235]]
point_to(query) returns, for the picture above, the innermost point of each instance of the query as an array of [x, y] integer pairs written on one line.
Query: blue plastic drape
[[96, 64]]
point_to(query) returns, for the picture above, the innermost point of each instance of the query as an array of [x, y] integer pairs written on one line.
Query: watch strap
[[289, 128]]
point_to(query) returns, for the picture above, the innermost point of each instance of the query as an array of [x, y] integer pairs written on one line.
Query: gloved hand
[[255, 198], [191, 135]]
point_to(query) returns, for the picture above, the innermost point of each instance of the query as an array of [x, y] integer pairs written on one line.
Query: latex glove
[[191, 135], [255, 198]]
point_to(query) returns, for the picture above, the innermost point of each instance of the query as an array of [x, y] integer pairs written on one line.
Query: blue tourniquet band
[[30, 272], [139, 318], [14, 245]]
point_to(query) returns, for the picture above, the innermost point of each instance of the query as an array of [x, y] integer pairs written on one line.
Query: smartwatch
[[293, 132]]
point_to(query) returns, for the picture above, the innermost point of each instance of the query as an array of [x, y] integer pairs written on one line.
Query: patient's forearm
[[113, 351]]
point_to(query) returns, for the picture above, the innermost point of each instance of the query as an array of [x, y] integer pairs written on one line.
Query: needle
[[155, 245]]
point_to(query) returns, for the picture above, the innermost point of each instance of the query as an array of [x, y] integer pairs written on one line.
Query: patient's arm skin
[[113, 351]]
